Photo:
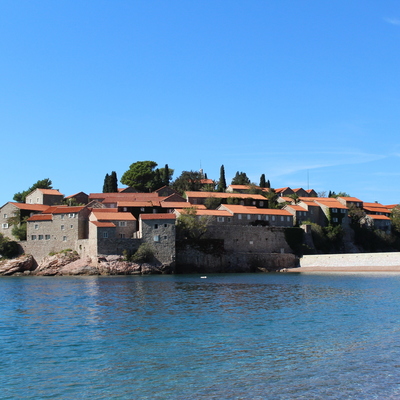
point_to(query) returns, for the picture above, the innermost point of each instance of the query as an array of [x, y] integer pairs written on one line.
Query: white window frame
[[122, 223], [4, 226], [105, 235]]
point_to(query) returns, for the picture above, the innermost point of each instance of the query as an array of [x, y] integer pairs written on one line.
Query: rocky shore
[[69, 263]]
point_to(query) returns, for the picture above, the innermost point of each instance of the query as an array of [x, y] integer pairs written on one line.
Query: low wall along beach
[[350, 262]]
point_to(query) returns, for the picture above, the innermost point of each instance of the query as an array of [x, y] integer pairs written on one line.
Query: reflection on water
[[249, 336]]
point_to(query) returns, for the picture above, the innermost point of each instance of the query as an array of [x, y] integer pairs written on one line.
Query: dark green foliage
[[268, 184], [144, 177], [212, 203], [190, 226], [19, 231], [41, 184], [8, 248], [188, 181], [328, 239], [395, 217], [110, 183], [294, 238], [263, 184], [272, 198], [166, 177], [143, 254], [375, 240], [233, 200], [240, 179], [222, 181]]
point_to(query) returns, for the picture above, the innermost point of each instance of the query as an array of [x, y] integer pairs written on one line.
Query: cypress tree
[[165, 178], [113, 185], [222, 180], [106, 184], [262, 181], [268, 184]]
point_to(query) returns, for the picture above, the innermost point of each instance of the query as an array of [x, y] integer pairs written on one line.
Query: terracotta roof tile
[[41, 217], [101, 224], [157, 216], [30, 207], [113, 216]]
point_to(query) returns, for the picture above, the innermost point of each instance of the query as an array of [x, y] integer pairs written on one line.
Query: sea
[[237, 336]]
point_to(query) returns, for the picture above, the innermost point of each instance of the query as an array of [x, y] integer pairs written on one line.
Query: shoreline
[[369, 268]]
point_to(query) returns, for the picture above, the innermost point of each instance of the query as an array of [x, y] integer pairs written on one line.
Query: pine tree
[[222, 180], [262, 181]]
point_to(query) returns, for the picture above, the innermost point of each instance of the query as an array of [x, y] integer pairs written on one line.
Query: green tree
[[395, 217], [263, 183], [144, 177], [240, 179], [40, 184], [188, 181], [8, 248], [191, 226], [106, 184], [222, 181], [212, 203], [110, 183], [166, 176]]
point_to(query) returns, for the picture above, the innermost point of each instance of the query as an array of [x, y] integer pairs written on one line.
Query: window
[[105, 235], [4, 226], [125, 209], [62, 227], [342, 210], [273, 218], [282, 218], [62, 216], [239, 216], [288, 219], [47, 237], [165, 225], [122, 223], [37, 200], [254, 203], [220, 219], [122, 235], [267, 217], [71, 226], [335, 220], [334, 210], [142, 209], [248, 216], [155, 226], [33, 237], [64, 238], [251, 242], [36, 226], [261, 203], [156, 238], [40, 237], [229, 219], [5, 216]]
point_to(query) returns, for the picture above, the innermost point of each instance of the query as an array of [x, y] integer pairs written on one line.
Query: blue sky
[[306, 92]]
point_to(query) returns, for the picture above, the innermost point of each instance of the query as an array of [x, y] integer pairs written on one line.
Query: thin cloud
[[393, 21]]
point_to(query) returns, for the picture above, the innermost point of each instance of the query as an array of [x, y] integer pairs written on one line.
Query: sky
[[305, 92]]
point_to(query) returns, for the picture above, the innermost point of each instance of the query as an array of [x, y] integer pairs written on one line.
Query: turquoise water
[[245, 336]]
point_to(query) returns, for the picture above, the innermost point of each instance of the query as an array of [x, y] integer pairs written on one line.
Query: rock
[[18, 265], [51, 265]]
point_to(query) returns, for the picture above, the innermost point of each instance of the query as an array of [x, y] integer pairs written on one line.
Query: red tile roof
[[63, 209], [205, 195], [384, 217], [237, 209], [30, 207], [157, 216], [113, 216], [41, 217], [51, 191], [101, 224]]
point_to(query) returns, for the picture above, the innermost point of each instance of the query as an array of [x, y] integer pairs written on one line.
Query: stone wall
[[248, 239], [351, 260]]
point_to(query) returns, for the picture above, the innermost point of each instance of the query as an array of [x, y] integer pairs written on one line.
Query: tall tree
[[262, 181], [166, 176], [106, 184], [240, 179], [188, 181], [268, 184], [40, 184], [222, 181], [140, 176]]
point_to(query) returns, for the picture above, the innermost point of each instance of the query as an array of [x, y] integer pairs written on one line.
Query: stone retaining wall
[[351, 260]]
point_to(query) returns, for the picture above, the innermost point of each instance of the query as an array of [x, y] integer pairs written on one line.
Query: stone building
[[44, 196]]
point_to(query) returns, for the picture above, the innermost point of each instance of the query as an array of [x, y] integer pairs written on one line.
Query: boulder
[[20, 265]]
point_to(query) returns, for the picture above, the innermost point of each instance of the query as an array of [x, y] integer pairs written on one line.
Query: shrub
[[143, 254]]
